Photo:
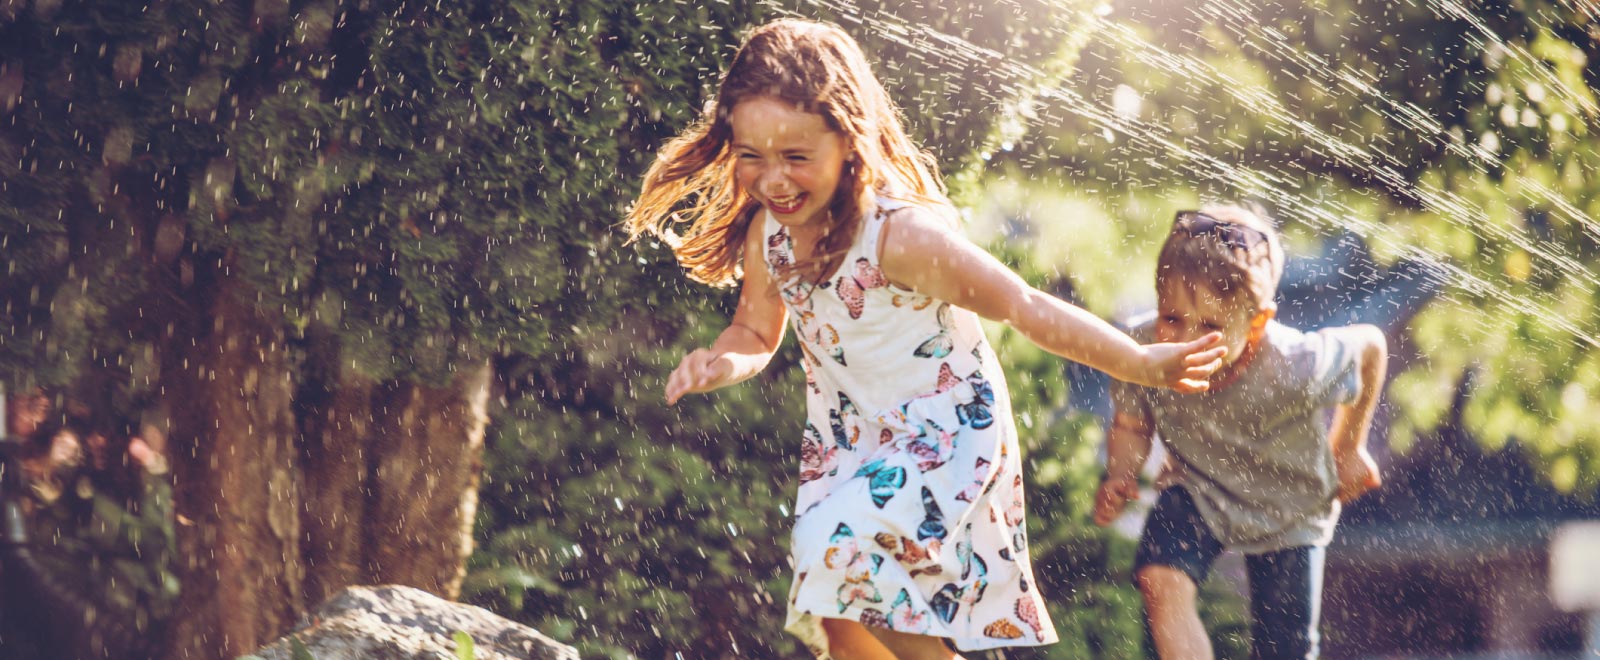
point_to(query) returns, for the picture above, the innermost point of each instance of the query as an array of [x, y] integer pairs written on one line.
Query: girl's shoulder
[[901, 216], [897, 204], [903, 221]]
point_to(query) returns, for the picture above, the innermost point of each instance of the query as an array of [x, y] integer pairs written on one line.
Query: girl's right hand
[[699, 371], [1186, 366]]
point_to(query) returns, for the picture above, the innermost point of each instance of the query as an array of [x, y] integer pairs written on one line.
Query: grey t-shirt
[[1254, 455]]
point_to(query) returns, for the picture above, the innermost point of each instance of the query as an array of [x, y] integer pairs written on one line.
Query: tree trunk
[[392, 475], [237, 493], [378, 486], [428, 459], [337, 467]]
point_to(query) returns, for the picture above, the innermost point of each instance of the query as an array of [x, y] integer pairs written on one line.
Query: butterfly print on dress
[[979, 476], [920, 559], [933, 447], [884, 481], [942, 344], [845, 422], [947, 602], [904, 617], [816, 460], [852, 287]]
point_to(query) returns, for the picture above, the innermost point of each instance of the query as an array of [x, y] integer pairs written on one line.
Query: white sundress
[[910, 507]]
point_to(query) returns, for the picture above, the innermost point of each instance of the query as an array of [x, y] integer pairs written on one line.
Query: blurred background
[[357, 264]]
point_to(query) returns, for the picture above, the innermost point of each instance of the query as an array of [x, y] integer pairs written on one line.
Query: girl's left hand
[[1186, 366], [700, 371]]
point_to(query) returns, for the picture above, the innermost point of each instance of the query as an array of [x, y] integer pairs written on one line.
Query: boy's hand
[[700, 371], [1115, 494], [1358, 473], [1184, 366]]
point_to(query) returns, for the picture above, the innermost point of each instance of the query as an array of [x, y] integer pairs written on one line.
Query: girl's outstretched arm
[[922, 253], [745, 347]]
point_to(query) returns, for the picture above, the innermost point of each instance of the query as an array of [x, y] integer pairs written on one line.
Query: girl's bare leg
[[914, 647], [849, 640], [1169, 602]]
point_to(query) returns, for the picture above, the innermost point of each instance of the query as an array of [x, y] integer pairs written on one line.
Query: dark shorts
[[1285, 585]]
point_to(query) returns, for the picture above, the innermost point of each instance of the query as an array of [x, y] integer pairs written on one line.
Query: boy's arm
[[923, 254], [1358, 473], [745, 347], [1127, 445], [1127, 449]]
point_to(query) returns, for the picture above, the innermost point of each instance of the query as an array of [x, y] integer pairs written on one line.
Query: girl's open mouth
[[786, 205]]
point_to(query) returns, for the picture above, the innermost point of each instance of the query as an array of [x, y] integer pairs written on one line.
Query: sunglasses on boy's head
[[1231, 234]]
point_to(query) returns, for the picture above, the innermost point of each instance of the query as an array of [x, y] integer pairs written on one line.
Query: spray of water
[[1282, 189]]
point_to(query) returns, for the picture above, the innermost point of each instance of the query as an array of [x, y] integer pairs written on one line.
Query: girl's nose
[[775, 180]]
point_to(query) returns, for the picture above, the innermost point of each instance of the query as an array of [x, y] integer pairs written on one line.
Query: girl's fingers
[[1205, 356], [1192, 386], [677, 383], [1203, 343], [695, 373], [691, 375], [673, 389], [1202, 371]]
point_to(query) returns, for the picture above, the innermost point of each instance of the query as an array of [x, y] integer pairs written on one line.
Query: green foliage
[[465, 649], [965, 73], [76, 139], [657, 529], [299, 651]]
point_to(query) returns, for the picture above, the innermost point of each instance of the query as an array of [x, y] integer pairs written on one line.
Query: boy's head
[[1218, 272]]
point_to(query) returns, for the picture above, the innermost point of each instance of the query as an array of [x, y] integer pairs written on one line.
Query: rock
[[402, 623]]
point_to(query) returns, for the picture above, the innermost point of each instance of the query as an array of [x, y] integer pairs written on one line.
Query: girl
[[801, 184]]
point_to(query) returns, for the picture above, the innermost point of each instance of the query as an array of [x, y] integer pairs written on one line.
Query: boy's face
[[787, 159], [1188, 311]]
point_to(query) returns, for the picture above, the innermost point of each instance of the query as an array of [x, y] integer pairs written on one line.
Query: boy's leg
[[1175, 553], [1285, 603], [1169, 607]]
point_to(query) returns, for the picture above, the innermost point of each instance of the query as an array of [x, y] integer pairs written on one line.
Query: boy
[[1252, 466]]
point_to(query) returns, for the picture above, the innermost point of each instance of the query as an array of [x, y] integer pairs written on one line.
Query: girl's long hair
[[820, 69]]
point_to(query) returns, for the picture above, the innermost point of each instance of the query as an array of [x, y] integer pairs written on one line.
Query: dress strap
[[872, 229]]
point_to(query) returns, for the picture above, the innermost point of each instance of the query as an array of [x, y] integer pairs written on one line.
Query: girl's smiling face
[[787, 159]]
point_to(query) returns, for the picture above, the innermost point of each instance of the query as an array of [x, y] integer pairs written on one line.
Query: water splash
[[1281, 189]]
